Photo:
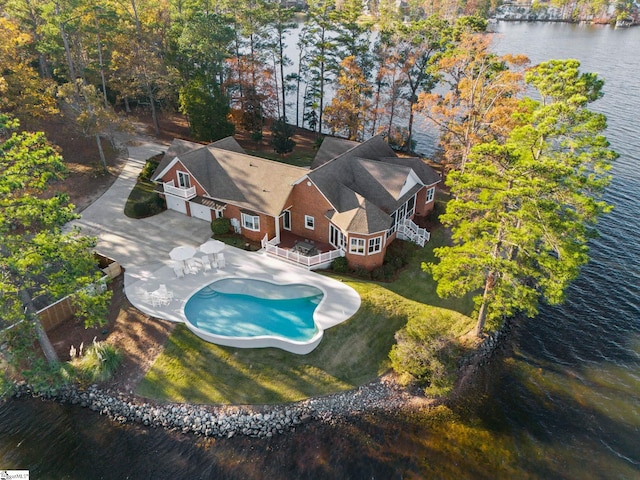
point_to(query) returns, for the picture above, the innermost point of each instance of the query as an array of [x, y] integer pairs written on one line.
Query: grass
[[298, 158], [350, 354], [143, 201]]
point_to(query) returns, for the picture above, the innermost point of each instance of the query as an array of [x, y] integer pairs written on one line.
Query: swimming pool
[[249, 313]]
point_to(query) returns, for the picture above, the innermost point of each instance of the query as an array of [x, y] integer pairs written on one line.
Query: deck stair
[[408, 230]]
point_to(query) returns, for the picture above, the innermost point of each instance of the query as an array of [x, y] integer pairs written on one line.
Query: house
[[357, 197]]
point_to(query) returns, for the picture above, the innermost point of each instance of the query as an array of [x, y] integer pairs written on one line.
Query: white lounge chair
[[179, 272], [193, 266], [221, 260], [205, 263]]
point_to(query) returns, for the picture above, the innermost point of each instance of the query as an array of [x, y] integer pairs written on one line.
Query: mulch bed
[[139, 337]]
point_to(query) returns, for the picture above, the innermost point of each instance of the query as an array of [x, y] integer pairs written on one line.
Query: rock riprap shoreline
[[228, 421]]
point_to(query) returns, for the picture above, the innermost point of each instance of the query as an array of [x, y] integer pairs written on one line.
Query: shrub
[[424, 357], [362, 272], [150, 167], [340, 265], [98, 363], [220, 226], [398, 253]]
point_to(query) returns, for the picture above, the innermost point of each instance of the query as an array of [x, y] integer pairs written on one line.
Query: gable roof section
[[330, 148], [228, 143], [253, 182], [368, 182], [177, 148], [426, 174], [249, 182]]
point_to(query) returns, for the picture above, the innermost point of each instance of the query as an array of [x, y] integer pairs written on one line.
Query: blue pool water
[[246, 308]]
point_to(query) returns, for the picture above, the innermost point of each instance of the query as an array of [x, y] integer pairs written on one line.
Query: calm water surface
[[564, 403]]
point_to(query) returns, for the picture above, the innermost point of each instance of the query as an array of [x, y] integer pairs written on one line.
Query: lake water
[[564, 402]]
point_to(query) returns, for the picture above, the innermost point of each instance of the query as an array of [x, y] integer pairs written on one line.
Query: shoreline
[[382, 395]]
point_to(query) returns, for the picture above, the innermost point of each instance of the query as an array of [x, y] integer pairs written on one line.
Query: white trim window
[[251, 222], [375, 245], [309, 222], [430, 194], [184, 179], [356, 245]]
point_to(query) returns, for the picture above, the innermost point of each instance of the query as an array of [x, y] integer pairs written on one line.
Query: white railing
[[315, 261], [408, 230], [179, 191]]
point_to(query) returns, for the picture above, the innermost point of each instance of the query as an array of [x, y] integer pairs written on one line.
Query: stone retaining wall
[[228, 421]]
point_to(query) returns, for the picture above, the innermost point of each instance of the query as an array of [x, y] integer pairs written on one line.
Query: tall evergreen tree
[[524, 211]]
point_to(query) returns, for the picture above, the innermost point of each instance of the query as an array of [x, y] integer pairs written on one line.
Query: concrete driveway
[[138, 242]]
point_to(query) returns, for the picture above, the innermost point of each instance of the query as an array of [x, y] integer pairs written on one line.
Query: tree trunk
[[67, 49], [482, 314], [99, 43], [283, 84], [103, 160], [43, 339]]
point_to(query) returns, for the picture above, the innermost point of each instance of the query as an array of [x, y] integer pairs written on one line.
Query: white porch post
[[278, 228]]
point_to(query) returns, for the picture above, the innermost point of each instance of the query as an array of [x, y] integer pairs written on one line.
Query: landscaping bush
[[362, 272], [424, 357], [146, 207], [220, 226], [340, 265], [150, 167], [398, 253], [98, 363]]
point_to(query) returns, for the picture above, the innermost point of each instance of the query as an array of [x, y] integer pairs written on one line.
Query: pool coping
[[340, 302]]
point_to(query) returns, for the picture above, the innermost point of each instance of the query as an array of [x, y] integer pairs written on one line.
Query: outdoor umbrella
[[182, 252], [212, 246]]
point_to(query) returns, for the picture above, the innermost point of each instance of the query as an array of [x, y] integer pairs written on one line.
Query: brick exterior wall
[[423, 208], [307, 200], [267, 222], [366, 261], [172, 174]]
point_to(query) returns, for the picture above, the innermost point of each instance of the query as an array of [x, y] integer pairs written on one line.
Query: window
[[430, 193], [336, 237], [309, 222], [251, 222], [375, 245], [184, 180], [356, 245], [286, 220], [411, 204]]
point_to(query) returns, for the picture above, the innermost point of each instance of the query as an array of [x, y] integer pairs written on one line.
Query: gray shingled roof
[[250, 182], [177, 148], [330, 148], [365, 184], [365, 218], [427, 175], [228, 143]]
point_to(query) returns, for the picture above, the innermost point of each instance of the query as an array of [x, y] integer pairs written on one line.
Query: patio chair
[[179, 271], [193, 266], [221, 261], [206, 263]]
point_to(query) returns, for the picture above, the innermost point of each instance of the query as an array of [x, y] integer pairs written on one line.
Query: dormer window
[[184, 180]]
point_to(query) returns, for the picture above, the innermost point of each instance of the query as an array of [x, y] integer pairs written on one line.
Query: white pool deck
[[339, 302]]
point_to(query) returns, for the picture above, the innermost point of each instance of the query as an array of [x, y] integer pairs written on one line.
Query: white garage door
[[200, 211], [175, 203]]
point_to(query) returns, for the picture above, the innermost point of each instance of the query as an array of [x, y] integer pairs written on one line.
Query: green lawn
[[350, 354], [299, 158]]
